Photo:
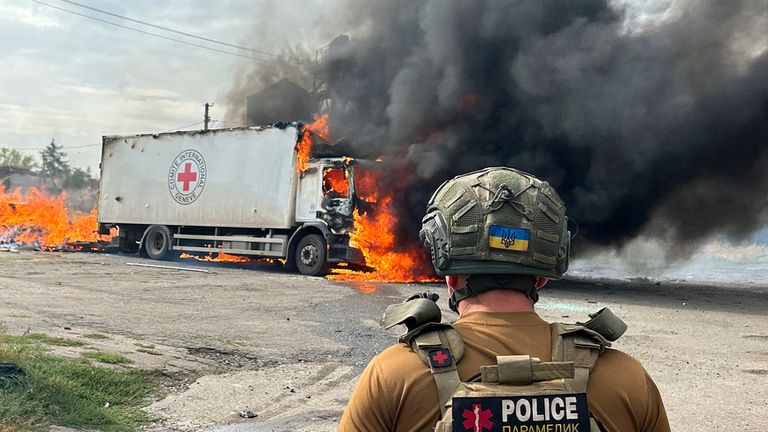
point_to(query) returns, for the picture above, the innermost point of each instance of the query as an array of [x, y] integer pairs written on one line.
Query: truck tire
[[157, 243], [311, 256]]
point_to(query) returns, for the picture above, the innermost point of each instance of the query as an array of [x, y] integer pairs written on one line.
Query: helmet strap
[[480, 283]]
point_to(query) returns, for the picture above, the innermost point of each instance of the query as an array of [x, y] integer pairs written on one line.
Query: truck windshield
[[335, 183]]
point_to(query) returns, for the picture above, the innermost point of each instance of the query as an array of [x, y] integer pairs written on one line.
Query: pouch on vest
[[518, 394]]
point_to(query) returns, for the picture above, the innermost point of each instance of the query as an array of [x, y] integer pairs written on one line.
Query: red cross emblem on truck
[[187, 177]]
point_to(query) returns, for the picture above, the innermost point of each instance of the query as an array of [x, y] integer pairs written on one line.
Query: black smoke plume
[[660, 130], [668, 124]]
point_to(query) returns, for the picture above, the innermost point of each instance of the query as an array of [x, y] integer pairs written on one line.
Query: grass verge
[[106, 357], [41, 338], [67, 392]]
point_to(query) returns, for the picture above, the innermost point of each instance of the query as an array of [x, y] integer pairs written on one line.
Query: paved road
[[289, 347]]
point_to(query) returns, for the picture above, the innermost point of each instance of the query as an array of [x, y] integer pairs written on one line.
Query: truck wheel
[[157, 242], [311, 255]]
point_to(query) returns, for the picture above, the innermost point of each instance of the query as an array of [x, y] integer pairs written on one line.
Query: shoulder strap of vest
[[440, 347], [582, 346], [576, 343]]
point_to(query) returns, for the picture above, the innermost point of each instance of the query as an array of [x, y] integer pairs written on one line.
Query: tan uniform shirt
[[396, 392]]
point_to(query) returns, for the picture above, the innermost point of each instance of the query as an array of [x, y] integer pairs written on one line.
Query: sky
[[74, 79]]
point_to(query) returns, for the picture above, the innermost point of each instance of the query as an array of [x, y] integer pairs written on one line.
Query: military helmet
[[497, 220]]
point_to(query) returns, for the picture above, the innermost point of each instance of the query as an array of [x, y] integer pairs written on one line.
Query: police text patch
[[508, 238], [540, 413]]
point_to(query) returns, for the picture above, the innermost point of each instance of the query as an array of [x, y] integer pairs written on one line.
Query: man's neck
[[497, 300]]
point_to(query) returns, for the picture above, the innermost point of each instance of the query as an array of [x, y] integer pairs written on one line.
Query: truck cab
[[326, 193], [326, 199]]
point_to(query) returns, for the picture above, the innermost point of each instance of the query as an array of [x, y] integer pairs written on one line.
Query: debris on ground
[[10, 371]]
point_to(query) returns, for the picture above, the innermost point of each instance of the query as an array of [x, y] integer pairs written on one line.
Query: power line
[[150, 33], [39, 149], [170, 29], [82, 146]]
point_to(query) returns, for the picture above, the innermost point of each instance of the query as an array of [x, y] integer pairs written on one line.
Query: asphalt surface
[[288, 348]]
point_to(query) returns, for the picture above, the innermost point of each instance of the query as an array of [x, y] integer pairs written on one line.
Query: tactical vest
[[519, 393]]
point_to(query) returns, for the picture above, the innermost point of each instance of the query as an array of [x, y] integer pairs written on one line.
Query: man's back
[[397, 391]]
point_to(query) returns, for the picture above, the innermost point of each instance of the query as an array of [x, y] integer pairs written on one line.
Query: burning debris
[[40, 221]]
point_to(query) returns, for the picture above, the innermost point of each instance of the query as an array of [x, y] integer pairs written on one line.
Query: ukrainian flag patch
[[508, 238]]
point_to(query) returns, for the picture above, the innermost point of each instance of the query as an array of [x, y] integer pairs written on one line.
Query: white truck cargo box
[[227, 177]]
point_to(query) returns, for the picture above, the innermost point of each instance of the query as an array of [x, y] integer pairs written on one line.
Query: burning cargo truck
[[277, 192]]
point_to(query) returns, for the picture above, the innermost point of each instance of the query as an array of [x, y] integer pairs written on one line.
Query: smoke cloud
[[660, 130]]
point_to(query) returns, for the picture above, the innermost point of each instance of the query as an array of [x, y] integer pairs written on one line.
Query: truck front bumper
[[339, 250]]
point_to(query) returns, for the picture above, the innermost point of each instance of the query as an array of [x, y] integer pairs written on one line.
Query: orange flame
[[320, 127], [42, 218], [393, 259], [335, 180], [223, 257]]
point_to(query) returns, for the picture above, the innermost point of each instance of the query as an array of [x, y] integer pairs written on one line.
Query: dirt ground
[[288, 348]]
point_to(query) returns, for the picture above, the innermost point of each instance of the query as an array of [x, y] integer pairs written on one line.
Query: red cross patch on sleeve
[[440, 358]]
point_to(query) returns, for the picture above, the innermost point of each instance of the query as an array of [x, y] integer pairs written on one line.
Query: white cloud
[[35, 16], [84, 89], [150, 93], [642, 15]]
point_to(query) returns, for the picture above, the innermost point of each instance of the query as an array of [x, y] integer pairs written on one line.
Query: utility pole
[[206, 117]]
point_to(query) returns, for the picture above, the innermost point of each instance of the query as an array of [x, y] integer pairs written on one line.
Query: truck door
[[308, 197], [337, 196]]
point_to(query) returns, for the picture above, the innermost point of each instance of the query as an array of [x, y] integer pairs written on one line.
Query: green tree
[[78, 178], [54, 162], [13, 158]]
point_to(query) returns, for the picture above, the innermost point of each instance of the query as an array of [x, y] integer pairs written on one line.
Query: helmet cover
[[497, 220]]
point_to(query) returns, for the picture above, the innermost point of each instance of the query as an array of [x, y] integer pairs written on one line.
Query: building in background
[[12, 178], [281, 101]]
